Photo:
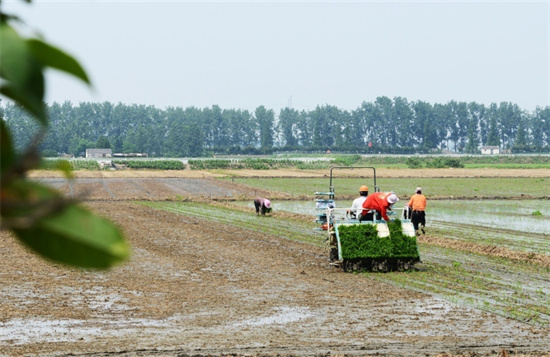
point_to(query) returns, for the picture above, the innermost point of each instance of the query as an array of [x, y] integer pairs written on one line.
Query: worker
[[263, 205], [357, 205], [418, 205], [379, 202]]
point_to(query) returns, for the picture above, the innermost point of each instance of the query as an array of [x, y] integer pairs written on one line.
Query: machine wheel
[[333, 255]]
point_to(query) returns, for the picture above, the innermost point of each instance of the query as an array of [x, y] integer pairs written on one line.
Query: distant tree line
[[386, 125]]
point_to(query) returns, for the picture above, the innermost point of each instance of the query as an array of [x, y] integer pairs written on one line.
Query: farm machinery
[[366, 245]]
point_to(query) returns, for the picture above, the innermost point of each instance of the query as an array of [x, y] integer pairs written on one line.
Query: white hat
[[392, 198], [418, 189], [267, 203]]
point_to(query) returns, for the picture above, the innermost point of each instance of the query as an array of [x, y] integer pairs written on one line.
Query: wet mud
[[199, 287]]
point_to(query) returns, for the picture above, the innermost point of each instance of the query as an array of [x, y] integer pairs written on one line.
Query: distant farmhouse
[[490, 150], [98, 153]]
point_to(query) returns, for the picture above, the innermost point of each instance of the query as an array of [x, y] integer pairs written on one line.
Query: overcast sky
[[251, 53]]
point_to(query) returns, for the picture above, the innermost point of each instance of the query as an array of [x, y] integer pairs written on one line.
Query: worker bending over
[[418, 205], [263, 205], [380, 202]]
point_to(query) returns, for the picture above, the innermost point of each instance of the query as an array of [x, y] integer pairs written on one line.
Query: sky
[[240, 55]]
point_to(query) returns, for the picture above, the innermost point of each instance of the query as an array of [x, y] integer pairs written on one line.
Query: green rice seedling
[[363, 249]]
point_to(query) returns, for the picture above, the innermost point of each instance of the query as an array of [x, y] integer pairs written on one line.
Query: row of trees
[[385, 125]]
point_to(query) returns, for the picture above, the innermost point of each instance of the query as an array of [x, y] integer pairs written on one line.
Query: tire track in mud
[[107, 188], [347, 283], [506, 280], [337, 340], [512, 290], [498, 269], [343, 350], [491, 251], [141, 189]]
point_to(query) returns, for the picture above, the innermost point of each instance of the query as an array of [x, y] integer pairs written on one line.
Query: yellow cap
[[363, 188]]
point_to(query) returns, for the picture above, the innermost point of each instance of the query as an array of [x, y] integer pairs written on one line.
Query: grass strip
[[472, 187]]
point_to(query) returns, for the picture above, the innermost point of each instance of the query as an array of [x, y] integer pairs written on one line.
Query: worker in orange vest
[[380, 202], [418, 205]]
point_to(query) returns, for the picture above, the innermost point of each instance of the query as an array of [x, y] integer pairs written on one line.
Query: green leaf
[[31, 102], [7, 157], [22, 74], [14, 57], [53, 57], [72, 235], [61, 165]]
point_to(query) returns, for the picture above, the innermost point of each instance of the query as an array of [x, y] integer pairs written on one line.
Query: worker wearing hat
[[262, 204], [380, 202], [357, 205], [418, 205]]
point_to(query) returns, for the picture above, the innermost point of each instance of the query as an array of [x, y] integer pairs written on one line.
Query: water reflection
[[501, 214]]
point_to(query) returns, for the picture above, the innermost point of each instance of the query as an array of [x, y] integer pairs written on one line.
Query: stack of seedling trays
[[369, 247]]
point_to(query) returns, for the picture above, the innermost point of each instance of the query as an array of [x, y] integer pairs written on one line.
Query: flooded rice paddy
[[512, 215], [508, 288]]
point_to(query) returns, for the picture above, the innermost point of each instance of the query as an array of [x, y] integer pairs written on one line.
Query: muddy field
[[200, 288]]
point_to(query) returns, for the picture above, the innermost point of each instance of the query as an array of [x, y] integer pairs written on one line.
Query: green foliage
[[59, 236], [54, 164], [49, 153], [22, 63], [362, 241], [52, 226], [209, 164], [536, 213], [250, 164], [103, 143], [457, 265], [506, 159], [72, 165], [414, 163], [256, 165], [443, 162], [152, 165], [58, 165], [403, 129], [91, 165], [346, 160], [315, 165], [83, 144]]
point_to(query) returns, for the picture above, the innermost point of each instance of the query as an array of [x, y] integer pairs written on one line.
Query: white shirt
[[357, 205]]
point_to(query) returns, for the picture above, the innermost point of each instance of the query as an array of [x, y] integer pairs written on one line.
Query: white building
[[98, 153], [490, 150]]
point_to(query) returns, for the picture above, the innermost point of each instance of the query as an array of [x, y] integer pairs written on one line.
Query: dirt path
[[197, 288]]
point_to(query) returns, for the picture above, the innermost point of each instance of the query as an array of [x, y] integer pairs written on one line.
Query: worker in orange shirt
[[418, 205], [380, 202]]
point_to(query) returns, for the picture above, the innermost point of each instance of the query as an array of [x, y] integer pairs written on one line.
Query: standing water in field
[[513, 215]]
